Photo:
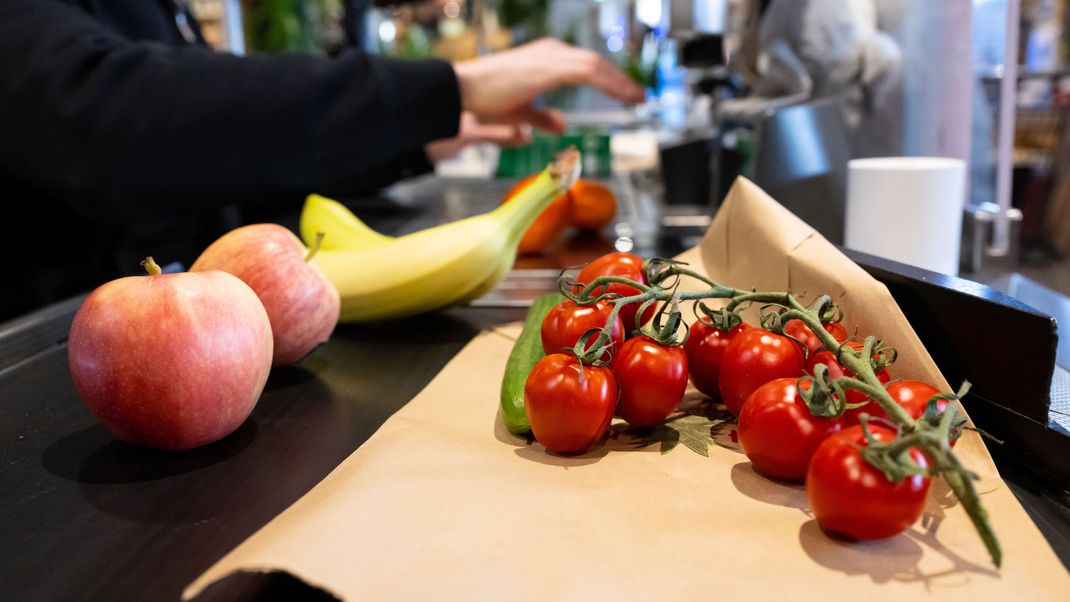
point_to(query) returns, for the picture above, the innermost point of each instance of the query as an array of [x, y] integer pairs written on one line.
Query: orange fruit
[[548, 226], [593, 205]]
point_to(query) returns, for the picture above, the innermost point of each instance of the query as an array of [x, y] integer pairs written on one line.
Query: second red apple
[[301, 303]]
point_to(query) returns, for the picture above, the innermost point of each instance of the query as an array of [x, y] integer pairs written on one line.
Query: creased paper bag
[[442, 503]]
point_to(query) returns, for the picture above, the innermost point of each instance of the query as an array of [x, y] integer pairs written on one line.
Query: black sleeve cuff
[[405, 104], [424, 96]]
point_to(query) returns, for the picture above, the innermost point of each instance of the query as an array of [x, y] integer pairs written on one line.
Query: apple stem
[[315, 248], [151, 267]]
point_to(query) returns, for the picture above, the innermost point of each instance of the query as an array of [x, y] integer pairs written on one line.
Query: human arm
[[498, 92], [112, 124], [503, 86]]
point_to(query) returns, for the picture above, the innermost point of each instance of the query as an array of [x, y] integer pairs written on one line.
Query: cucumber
[[527, 351]]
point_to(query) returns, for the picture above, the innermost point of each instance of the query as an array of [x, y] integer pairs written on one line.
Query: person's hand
[[473, 130], [502, 86]]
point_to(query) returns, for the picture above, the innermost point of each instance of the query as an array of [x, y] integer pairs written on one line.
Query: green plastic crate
[[593, 143]]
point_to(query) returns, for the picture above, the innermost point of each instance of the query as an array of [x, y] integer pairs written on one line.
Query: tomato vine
[[932, 434]]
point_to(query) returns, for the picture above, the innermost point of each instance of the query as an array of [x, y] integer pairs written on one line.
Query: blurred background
[[784, 92]]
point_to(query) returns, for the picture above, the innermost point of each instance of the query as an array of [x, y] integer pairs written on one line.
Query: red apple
[[301, 302], [171, 361]]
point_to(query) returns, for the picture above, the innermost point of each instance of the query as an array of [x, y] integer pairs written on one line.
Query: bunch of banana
[[381, 277]]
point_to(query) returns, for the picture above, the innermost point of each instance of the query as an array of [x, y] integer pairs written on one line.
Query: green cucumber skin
[[527, 351]]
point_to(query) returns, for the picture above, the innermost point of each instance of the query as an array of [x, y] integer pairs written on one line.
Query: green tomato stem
[[858, 362], [961, 484], [892, 458]]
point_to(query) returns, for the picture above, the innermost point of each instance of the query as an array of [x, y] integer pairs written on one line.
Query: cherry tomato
[[914, 396], [705, 348], [778, 433], [910, 394], [652, 379], [753, 358], [624, 265], [569, 413], [566, 322], [802, 332], [850, 497], [837, 330], [828, 358]]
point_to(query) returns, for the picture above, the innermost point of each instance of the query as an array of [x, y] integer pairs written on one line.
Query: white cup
[[907, 209]]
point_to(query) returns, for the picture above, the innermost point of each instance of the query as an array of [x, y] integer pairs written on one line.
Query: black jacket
[[120, 138]]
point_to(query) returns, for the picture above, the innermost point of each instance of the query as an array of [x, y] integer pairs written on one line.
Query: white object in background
[[649, 12], [710, 15], [908, 209], [634, 150], [474, 161]]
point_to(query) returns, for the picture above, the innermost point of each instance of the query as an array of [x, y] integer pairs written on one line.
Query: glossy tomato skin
[[705, 349], [566, 322], [569, 414], [652, 380], [778, 433], [754, 357], [624, 265], [802, 332], [911, 394], [837, 330], [914, 396], [835, 370], [850, 497]]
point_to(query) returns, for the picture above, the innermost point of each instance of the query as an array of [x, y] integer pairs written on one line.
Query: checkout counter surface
[[83, 512]]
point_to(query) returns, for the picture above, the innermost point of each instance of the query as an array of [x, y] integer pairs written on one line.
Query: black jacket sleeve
[[111, 125]]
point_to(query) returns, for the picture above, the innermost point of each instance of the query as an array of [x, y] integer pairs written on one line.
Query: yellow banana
[[346, 231], [380, 277]]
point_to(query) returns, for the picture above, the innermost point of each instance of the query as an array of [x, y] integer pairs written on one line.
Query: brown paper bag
[[442, 503]]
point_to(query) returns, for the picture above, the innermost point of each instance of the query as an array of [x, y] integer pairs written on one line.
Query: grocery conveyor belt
[[1059, 410]]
